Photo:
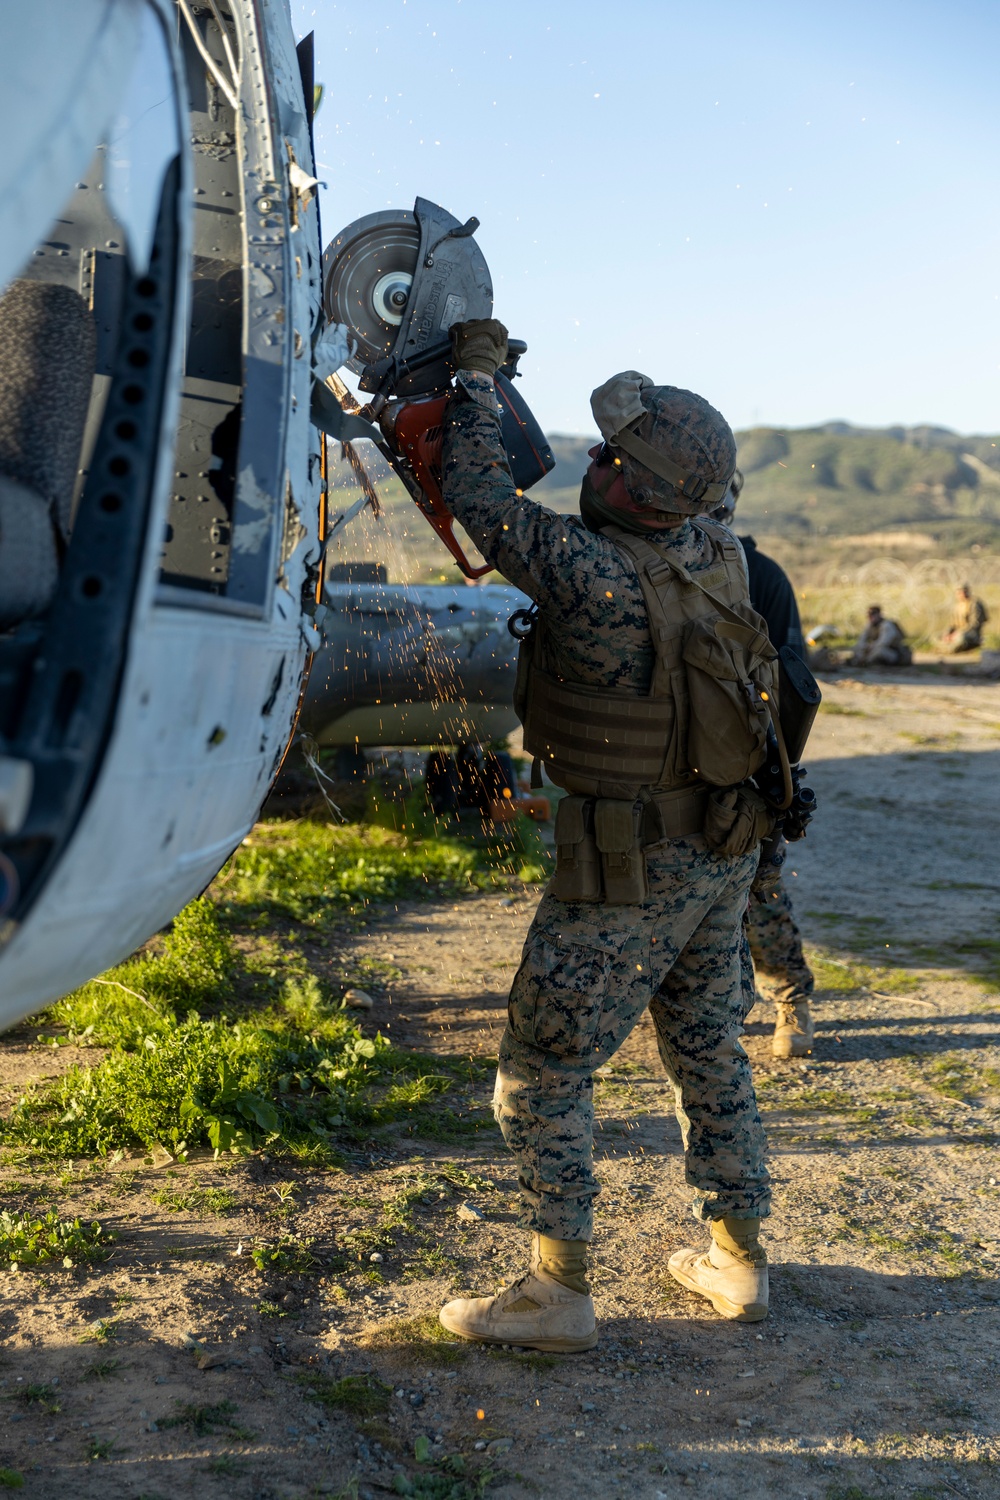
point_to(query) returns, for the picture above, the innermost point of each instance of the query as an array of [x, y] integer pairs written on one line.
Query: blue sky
[[791, 208]]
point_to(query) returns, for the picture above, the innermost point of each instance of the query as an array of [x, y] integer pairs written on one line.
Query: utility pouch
[[618, 832], [729, 670], [737, 820], [578, 864]]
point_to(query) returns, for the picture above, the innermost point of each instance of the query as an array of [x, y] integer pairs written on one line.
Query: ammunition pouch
[[601, 842], [578, 863], [737, 820], [618, 834], [599, 851]]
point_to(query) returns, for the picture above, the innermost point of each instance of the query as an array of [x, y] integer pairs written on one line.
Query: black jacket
[[772, 596]]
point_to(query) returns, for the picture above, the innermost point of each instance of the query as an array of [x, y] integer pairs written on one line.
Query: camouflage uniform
[[590, 970], [775, 940]]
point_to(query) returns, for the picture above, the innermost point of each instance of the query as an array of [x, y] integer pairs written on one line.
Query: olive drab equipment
[[642, 768]]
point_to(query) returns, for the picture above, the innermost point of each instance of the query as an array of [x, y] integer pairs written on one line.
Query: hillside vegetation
[[841, 481], [899, 514]]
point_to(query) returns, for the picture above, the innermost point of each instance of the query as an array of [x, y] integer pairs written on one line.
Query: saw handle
[[418, 436]]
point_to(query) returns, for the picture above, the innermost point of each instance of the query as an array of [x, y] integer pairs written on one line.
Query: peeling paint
[[250, 536], [295, 532], [261, 284]]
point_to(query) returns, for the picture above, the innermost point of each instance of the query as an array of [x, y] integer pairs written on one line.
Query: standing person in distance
[[657, 838]]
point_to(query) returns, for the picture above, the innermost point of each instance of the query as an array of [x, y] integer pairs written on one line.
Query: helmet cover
[[677, 430]]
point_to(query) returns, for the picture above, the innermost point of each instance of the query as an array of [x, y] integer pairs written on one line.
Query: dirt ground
[[178, 1369]]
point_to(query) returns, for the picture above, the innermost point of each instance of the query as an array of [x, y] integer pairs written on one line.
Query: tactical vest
[[703, 722]]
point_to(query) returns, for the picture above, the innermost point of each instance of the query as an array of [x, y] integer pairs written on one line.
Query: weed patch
[[225, 1463], [361, 1395], [956, 1077], [38, 1395], [29, 1241], [218, 1035], [858, 978], [301, 870], [287, 1254], [423, 1335], [205, 1421], [446, 1484], [104, 1331], [297, 1075], [196, 1200]]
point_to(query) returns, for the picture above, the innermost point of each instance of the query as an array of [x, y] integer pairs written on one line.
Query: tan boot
[[535, 1312], [793, 1029], [732, 1275]]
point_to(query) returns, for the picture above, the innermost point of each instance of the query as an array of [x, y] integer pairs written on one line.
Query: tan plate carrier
[[641, 768]]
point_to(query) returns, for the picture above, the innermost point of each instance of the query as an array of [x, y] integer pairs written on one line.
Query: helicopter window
[[61, 328], [197, 549], [227, 507]]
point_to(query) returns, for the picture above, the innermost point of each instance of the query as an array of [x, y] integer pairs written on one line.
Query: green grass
[[446, 1483], [27, 1240], [205, 1421], [302, 870], [217, 1035], [44, 1396], [286, 1255], [361, 1395], [824, 1099], [195, 1199], [295, 1075], [854, 977], [104, 1331], [421, 1336], [225, 1463]]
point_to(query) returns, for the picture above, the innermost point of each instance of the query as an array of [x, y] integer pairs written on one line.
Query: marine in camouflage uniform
[[589, 971], [775, 940]]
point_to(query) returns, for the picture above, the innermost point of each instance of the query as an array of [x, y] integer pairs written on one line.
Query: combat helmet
[[667, 453]]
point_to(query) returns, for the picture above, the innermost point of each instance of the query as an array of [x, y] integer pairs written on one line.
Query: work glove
[[480, 344]]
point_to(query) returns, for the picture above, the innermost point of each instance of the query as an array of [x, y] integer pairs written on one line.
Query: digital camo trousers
[[775, 940], [587, 974]]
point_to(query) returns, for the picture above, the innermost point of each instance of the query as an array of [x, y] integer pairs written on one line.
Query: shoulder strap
[[721, 535], [678, 568], [652, 576]]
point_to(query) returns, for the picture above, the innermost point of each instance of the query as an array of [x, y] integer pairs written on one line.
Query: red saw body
[[398, 281]]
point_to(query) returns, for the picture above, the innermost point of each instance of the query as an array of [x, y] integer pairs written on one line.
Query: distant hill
[[836, 480]]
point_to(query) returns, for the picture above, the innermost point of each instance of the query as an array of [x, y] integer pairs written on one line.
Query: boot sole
[[548, 1346], [753, 1312]]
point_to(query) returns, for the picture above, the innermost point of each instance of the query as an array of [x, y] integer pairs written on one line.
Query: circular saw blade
[[368, 270]]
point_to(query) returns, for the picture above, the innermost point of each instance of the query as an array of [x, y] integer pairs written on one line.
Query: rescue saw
[[398, 281]]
